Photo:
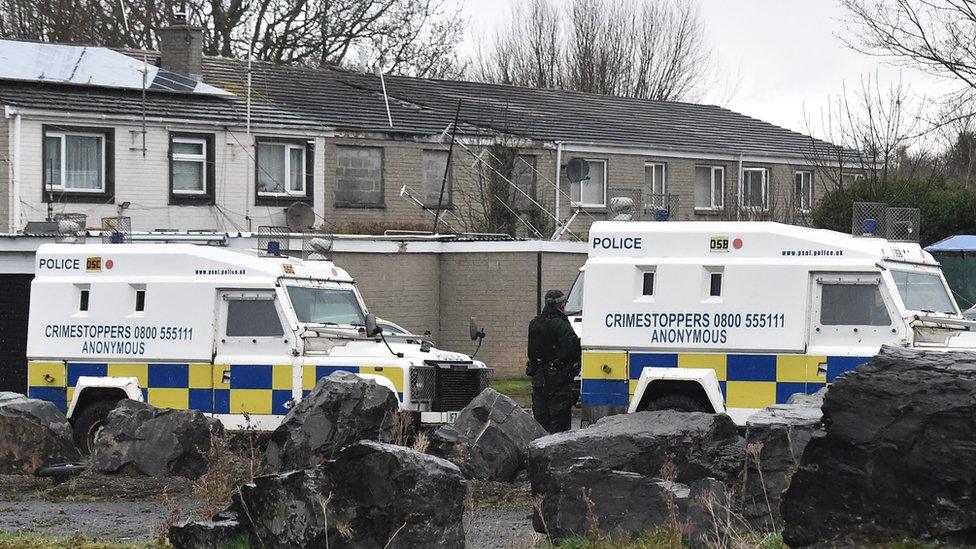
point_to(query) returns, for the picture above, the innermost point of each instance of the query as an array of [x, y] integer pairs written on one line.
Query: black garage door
[[14, 300]]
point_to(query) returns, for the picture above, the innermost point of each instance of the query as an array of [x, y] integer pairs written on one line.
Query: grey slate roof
[[353, 102]]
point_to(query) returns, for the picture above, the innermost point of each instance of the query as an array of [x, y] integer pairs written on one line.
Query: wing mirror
[[371, 328], [476, 332]]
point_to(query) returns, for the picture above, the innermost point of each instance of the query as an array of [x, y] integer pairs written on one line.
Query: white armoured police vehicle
[[733, 317], [224, 332]]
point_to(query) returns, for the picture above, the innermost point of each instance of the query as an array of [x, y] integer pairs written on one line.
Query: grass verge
[[33, 540], [518, 389]]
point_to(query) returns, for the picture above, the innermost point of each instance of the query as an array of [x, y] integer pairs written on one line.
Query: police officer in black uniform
[[554, 363]]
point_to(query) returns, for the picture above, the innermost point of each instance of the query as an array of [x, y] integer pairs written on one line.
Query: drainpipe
[[559, 161], [738, 207], [15, 184]]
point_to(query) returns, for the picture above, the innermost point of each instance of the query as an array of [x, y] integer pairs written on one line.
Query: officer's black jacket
[[553, 343]]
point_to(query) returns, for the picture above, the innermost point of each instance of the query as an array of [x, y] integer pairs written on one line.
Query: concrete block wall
[[401, 288], [441, 291], [6, 171]]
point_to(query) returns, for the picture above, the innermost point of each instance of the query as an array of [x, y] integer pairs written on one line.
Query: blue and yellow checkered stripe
[[218, 389], [746, 380]]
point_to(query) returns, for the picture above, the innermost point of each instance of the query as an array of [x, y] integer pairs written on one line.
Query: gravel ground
[[132, 509]]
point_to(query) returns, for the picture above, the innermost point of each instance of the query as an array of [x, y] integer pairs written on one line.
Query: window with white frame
[[846, 178], [803, 190], [593, 190], [188, 165], [281, 168], [655, 184], [74, 161], [709, 188], [754, 194]]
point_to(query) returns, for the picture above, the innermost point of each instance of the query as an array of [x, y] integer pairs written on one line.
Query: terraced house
[[187, 142]]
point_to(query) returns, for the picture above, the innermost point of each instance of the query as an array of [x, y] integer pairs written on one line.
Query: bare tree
[[875, 133], [936, 36], [413, 37], [648, 49]]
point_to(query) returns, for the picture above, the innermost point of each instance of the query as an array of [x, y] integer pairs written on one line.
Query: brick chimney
[[181, 48]]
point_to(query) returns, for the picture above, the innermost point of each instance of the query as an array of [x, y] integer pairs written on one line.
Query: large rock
[[342, 409], [696, 444], [221, 532], [490, 438], [897, 458], [621, 460], [33, 433], [775, 439], [141, 439], [371, 495], [623, 504]]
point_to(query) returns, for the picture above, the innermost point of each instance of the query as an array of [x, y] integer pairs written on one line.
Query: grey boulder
[[490, 438], [624, 504], [649, 457], [33, 433], [141, 439], [698, 445], [342, 409], [896, 461], [775, 440], [371, 495], [223, 531]]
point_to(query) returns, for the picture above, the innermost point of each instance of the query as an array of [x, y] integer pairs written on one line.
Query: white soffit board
[[91, 66]]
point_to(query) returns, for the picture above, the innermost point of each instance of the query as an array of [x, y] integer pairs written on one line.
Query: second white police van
[[735, 316], [228, 333]]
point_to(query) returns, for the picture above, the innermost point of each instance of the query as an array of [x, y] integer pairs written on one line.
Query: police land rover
[[224, 332], [735, 316]]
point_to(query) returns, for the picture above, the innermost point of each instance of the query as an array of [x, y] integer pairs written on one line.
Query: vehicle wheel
[[680, 403], [90, 422]]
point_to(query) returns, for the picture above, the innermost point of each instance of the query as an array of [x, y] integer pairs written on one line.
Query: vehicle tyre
[[680, 403], [90, 422]]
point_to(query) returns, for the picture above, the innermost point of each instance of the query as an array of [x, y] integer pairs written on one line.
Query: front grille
[[447, 386]]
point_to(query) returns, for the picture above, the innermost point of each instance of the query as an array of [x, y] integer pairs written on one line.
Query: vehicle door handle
[[822, 369], [225, 378]]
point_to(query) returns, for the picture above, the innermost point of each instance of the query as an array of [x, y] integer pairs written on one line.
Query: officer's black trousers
[[553, 407]]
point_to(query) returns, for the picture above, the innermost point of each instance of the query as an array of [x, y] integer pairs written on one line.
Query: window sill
[[280, 200], [359, 206], [100, 197], [190, 199], [709, 211]]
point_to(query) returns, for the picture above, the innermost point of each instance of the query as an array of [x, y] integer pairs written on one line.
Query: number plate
[[718, 244], [452, 416]]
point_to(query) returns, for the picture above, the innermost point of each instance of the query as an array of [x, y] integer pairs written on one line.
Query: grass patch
[[664, 538], [518, 389], [33, 540]]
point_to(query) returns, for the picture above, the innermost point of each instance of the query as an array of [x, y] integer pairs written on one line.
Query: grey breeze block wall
[[439, 292], [6, 169]]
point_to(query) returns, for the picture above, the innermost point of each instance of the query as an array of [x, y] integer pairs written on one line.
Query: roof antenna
[[386, 98]]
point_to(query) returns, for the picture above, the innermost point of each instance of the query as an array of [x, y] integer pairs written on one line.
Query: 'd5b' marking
[[718, 244], [93, 264]]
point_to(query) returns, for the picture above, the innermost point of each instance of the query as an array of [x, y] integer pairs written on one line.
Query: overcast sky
[[788, 55]]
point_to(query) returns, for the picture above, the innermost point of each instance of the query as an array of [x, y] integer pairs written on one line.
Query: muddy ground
[[139, 509]]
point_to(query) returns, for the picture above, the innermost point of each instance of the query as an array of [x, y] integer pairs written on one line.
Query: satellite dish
[[299, 217], [577, 170]]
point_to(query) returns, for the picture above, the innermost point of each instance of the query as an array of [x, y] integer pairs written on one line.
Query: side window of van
[[253, 318], [853, 305]]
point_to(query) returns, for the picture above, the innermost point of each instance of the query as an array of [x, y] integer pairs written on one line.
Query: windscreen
[[574, 301], [923, 292], [325, 305]]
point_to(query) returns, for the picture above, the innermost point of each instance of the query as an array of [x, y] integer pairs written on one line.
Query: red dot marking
[[737, 243], [109, 264], [335, 272]]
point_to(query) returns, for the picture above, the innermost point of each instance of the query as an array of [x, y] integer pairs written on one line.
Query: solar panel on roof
[[90, 66]]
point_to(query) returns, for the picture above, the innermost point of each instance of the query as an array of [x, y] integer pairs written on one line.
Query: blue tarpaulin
[[958, 243], [957, 254]]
